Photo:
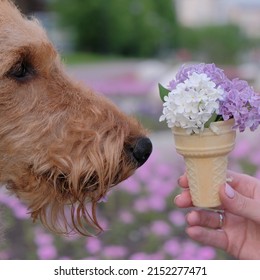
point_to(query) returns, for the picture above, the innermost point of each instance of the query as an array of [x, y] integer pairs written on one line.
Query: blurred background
[[123, 48]]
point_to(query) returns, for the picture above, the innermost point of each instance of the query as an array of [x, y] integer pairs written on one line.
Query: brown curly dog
[[62, 146]]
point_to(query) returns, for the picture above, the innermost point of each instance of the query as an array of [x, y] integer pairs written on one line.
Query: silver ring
[[221, 219]]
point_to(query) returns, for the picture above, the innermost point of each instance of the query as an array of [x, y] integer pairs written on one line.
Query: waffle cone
[[206, 159]]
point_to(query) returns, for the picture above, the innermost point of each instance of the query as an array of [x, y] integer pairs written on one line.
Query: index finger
[[244, 184], [183, 181]]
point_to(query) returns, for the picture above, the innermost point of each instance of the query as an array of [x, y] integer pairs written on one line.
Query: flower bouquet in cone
[[204, 108]]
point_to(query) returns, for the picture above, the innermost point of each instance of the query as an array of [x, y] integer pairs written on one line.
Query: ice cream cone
[[206, 159]]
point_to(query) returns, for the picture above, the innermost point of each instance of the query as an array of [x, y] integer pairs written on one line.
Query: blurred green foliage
[[144, 28], [77, 58], [126, 27], [221, 44]]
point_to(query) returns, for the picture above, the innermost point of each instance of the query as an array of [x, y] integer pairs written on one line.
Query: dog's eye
[[21, 71]]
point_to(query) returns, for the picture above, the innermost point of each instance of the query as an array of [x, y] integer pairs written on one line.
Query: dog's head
[[62, 146]]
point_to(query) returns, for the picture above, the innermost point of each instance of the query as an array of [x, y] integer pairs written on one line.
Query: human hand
[[240, 233]]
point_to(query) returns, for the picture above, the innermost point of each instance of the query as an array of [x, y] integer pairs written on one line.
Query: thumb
[[239, 205]]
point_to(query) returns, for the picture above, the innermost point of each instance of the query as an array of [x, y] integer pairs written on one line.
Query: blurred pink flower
[[255, 157], [156, 256], [172, 247], [161, 188], [141, 205], [21, 212], [126, 217], [47, 252], [257, 174], [195, 252], [41, 238], [114, 251], [18, 208], [93, 245], [139, 256], [145, 256], [145, 174], [4, 255], [206, 253], [177, 217], [45, 243], [131, 185], [156, 203], [165, 171], [126, 84], [4, 197], [189, 251], [160, 228], [103, 222], [242, 148]]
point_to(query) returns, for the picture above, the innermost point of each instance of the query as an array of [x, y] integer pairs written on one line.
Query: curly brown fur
[[61, 145]]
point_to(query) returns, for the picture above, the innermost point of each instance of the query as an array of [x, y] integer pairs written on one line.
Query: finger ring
[[221, 220]]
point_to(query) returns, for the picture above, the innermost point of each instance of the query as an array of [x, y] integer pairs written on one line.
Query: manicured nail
[[179, 180], [229, 191], [176, 198]]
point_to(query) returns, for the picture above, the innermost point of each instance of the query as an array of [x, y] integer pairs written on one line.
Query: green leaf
[[213, 118], [163, 92]]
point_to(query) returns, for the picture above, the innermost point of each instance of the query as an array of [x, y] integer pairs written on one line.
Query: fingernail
[[179, 180], [186, 216], [229, 191], [176, 198]]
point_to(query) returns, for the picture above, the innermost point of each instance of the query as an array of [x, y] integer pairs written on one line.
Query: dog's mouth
[[96, 183], [58, 189]]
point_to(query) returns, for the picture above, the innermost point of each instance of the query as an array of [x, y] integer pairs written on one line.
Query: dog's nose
[[142, 150]]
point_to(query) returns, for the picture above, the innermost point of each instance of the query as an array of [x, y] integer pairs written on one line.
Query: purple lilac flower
[[215, 74], [240, 101]]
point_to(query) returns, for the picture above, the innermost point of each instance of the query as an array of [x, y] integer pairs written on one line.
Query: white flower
[[191, 104]]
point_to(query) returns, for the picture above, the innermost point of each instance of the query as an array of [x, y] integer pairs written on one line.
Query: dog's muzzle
[[142, 150]]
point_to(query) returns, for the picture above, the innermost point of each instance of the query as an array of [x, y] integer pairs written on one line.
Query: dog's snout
[[142, 150]]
